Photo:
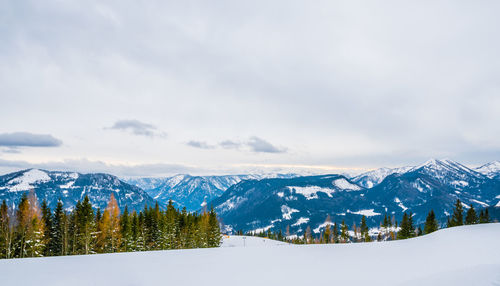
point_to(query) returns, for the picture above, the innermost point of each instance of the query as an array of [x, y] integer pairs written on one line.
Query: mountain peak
[[490, 168]]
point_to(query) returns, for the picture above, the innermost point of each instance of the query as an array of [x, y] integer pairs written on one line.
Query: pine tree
[[57, 231], [364, 230], [484, 217], [335, 233], [471, 217], [405, 230], [457, 218], [47, 233], [125, 230], [85, 227], [307, 235], [5, 232], [22, 224], [344, 233], [431, 223], [327, 233], [34, 244], [214, 235]]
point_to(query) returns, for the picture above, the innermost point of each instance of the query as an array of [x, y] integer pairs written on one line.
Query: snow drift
[[468, 255]]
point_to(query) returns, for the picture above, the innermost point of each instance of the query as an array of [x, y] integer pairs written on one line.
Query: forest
[[33, 230]]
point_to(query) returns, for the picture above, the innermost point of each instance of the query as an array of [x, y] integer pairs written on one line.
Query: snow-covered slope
[[375, 177], [307, 201], [468, 255], [491, 169], [71, 187], [191, 191]]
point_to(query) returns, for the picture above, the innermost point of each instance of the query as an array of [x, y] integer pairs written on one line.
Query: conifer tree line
[[389, 228], [33, 230]]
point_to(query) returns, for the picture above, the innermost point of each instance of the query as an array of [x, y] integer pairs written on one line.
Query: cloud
[[257, 144], [229, 144], [136, 127], [25, 139], [200, 144], [254, 144]]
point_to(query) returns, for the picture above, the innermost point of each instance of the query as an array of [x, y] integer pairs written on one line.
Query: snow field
[[468, 255]]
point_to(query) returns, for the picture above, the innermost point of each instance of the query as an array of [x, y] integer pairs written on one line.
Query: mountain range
[[193, 192], [307, 201], [70, 187], [277, 201]]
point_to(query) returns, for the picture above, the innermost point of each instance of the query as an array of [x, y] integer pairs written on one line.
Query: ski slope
[[468, 255]]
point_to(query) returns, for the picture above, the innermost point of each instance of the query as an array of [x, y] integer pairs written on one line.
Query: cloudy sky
[[148, 88]]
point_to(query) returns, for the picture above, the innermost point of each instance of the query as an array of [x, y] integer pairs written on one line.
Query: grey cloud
[[254, 144], [260, 145], [200, 144], [136, 127], [25, 139], [229, 144]]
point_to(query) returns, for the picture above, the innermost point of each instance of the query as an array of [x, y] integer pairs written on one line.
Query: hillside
[[191, 191], [307, 201], [70, 187], [468, 255]]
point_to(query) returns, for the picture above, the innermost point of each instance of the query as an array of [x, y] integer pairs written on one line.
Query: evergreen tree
[[5, 232], [327, 234], [364, 230], [431, 223], [344, 233], [335, 233], [407, 229], [457, 218], [57, 231], [85, 227], [471, 217], [22, 224], [125, 229], [484, 217], [47, 233]]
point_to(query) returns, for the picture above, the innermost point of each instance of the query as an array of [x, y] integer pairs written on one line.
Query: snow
[[467, 255], [301, 220], [24, 182], [310, 192], [321, 226], [400, 204], [490, 168], [262, 229], [287, 212], [250, 241], [480, 202], [460, 183], [498, 204], [67, 185], [369, 212], [343, 184]]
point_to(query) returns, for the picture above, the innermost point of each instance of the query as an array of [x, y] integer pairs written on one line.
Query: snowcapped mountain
[[375, 177], [307, 201], [71, 187], [491, 169], [191, 191], [294, 202]]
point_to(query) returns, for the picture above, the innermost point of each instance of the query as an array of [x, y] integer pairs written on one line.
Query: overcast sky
[[149, 88]]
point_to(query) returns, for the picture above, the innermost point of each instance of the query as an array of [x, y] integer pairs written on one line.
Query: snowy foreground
[[468, 255]]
